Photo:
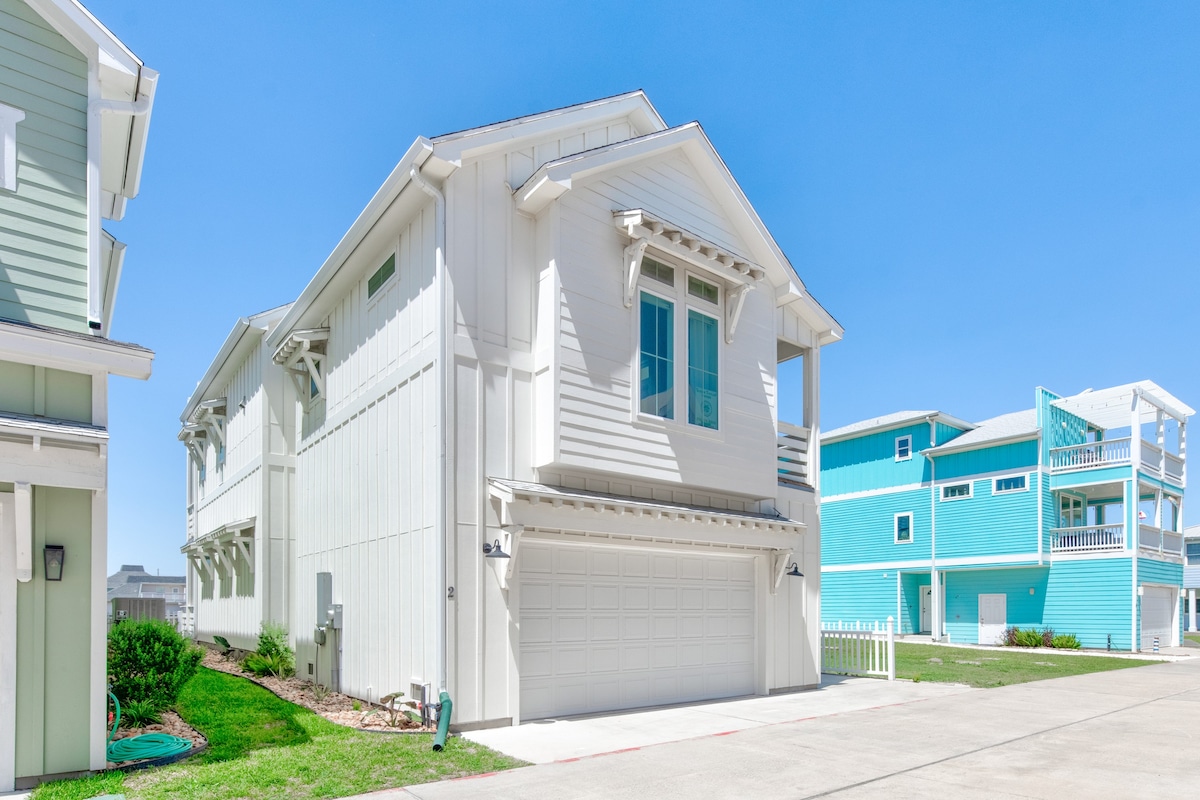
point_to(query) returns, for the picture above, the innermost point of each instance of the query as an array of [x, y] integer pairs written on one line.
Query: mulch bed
[[334, 706], [171, 723]]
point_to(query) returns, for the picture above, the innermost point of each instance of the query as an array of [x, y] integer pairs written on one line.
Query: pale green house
[[74, 110]]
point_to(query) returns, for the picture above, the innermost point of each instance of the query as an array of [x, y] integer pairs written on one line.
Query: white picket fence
[[858, 649]]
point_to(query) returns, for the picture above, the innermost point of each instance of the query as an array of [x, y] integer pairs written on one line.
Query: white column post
[[1131, 516], [891, 649], [1191, 610], [8, 641], [1183, 450], [812, 413], [1160, 440]]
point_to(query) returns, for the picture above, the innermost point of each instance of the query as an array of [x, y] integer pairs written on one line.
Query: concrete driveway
[[1116, 734]]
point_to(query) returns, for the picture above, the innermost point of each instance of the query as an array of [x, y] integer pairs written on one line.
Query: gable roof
[[1014, 426], [554, 178], [123, 78], [245, 334], [898, 419]]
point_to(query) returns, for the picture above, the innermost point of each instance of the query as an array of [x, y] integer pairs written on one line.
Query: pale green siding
[[45, 392], [43, 224], [54, 640]]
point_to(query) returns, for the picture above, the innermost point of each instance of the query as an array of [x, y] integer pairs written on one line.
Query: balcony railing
[[1107, 453], [1160, 541], [1087, 539], [792, 451]]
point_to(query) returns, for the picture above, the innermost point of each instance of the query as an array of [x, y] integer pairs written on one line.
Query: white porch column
[[8, 641], [812, 413], [1191, 609], [935, 605], [1133, 495]]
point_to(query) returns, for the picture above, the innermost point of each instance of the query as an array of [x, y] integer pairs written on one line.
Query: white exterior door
[[1158, 616], [926, 609], [605, 628], [8, 640], [993, 618]]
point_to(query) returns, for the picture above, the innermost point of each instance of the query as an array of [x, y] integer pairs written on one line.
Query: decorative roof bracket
[[735, 299], [633, 267]]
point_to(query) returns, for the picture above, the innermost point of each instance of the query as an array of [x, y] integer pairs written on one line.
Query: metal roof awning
[[1113, 407]]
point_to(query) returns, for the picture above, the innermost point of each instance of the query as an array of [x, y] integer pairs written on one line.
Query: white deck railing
[[1173, 466], [859, 649], [1087, 539], [792, 451], [1107, 453]]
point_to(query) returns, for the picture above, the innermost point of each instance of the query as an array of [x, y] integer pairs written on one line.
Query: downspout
[[442, 480], [935, 591]]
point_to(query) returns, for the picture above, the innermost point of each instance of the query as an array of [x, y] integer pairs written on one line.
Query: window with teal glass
[[657, 360], [702, 370]]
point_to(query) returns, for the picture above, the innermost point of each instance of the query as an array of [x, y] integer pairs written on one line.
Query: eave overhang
[[220, 549], [21, 341], [949, 448]]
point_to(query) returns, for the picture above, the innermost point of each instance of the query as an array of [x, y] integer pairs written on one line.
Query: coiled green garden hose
[[148, 745]]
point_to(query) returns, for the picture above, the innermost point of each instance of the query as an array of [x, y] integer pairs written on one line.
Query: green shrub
[[149, 662], [272, 640], [1066, 641], [1029, 637], [1047, 637], [280, 665], [223, 643], [139, 714], [1011, 634]]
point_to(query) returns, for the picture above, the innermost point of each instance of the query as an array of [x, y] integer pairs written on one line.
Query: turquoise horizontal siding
[[1015, 456], [869, 462], [867, 596], [1092, 599], [987, 524], [1086, 476], [43, 224], [862, 529], [910, 601], [1162, 572], [1022, 609]]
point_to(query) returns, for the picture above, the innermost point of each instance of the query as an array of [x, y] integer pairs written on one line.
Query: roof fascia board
[[91, 355], [903, 423], [240, 329], [79, 27], [113, 260], [417, 154], [139, 127], [948, 448], [511, 134]]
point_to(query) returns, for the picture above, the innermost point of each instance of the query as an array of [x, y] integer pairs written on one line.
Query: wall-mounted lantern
[[55, 555]]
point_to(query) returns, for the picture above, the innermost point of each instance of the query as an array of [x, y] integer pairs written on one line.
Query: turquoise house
[[1067, 515]]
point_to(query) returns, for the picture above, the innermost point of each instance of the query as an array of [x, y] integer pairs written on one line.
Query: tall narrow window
[[903, 528], [702, 370], [657, 362], [381, 275]]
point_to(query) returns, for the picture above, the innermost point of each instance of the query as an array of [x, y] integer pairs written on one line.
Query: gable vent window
[[658, 271], [377, 280]]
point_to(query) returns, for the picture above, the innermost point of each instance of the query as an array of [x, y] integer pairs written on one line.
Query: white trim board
[[8, 641], [924, 563]]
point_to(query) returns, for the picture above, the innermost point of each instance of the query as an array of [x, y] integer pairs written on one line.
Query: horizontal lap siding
[[598, 344], [988, 524], [862, 530], [910, 611], [43, 224], [1091, 599], [1022, 609], [850, 597], [869, 462]]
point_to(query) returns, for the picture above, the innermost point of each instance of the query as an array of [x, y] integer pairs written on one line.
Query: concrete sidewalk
[[1108, 734], [547, 741]]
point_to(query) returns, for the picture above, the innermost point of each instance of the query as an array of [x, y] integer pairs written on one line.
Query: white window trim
[[9, 117], [372, 299], [681, 302], [896, 528], [900, 439], [970, 491], [996, 483]]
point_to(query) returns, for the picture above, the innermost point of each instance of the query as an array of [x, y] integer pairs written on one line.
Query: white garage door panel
[[1158, 612], [604, 628]]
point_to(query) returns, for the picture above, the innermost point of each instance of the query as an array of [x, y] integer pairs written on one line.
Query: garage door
[[1158, 612], [606, 628]]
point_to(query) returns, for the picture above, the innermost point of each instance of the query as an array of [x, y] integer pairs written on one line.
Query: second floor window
[[698, 323], [957, 491], [903, 448], [903, 528]]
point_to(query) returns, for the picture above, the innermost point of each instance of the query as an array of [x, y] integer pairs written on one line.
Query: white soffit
[[1112, 407]]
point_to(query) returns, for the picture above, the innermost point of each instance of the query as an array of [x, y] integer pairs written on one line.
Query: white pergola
[[1115, 407]]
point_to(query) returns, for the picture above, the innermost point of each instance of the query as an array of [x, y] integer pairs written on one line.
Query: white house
[[239, 429], [537, 456], [75, 108]]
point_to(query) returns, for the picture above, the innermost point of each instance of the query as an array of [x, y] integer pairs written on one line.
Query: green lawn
[[998, 667], [1192, 637], [263, 747]]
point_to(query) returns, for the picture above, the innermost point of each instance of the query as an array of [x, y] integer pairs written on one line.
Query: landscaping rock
[[972, 663], [335, 707], [935, 661]]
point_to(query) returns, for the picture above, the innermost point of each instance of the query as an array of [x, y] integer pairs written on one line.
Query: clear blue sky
[[988, 196]]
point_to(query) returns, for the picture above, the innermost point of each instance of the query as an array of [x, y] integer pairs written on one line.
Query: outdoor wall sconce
[[794, 571], [54, 556], [494, 551]]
